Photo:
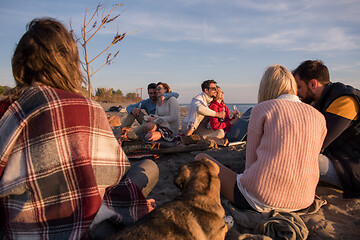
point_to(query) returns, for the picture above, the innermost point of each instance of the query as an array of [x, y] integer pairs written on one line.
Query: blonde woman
[[58, 156], [219, 124], [284, 140]]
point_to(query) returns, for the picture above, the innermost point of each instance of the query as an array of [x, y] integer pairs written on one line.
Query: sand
[[338, 219]]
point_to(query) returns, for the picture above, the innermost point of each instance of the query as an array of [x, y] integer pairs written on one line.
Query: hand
[[136, 112], [150, 118], [220, 115], [153, 117], [236, 114]]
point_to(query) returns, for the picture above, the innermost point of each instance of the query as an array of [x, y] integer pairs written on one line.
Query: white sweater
[[199, 108], [169, 113]]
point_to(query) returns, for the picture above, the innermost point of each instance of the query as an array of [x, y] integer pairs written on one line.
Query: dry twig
[[98, 20]]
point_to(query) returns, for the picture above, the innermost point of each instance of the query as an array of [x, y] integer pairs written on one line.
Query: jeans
[[328, 172], [238, 131], [130, 118], [145, 174]]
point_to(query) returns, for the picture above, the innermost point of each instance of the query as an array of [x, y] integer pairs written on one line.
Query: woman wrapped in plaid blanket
[[61, 169]]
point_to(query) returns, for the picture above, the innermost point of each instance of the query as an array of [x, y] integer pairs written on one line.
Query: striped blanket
[[59, 162]]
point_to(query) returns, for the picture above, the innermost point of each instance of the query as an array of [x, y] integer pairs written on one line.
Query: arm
[[174, 112], [131, 107], [339, 116], [255, 133], [227, 119], [135, 105], [204, 110], [161, 99], [170, 94], [214, 121]]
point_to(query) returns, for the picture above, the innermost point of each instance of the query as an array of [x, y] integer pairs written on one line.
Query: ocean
[[242, 107]]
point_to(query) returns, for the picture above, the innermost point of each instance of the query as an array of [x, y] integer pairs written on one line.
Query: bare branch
[[94, 13], [98, 20], [103, 22], [117, 39], [98, 69]]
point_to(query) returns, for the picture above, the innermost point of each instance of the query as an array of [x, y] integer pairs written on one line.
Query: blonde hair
[[48, 54], [277, 80], [218, 95]]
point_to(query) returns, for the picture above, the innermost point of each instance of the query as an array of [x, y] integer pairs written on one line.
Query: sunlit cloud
[[349, 68], [331, 39], [153, 55], [186, 41], [277, 39], [295, 25], [151, 73]]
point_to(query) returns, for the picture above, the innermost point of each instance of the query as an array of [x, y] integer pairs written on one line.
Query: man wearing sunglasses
[[199, 109]]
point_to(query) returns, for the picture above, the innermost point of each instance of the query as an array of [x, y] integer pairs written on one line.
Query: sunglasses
[[213, 88], [159, 88]]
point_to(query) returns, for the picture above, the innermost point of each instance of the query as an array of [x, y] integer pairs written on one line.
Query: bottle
[[236, 111]]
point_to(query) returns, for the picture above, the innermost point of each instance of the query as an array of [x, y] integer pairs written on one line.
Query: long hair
[[218, 95], [48, 54], [165, 85], [277, 80]]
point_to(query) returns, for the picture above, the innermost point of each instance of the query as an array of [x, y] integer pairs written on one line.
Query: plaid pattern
[[166, 133], [59, 163], [4, 104]]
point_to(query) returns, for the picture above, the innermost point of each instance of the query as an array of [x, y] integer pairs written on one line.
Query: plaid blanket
[[59, 162]]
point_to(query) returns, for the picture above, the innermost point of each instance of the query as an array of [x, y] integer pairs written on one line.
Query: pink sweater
[[284, 142]]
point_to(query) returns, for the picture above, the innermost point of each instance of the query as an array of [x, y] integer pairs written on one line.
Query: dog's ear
[[182, 177], [212, 165]]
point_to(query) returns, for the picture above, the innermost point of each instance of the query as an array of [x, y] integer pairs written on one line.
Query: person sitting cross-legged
[[165, 123], [149, 105], [62, 172]]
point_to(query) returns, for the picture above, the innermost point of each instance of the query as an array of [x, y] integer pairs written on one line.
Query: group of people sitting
[[63, 174], [208, 115]]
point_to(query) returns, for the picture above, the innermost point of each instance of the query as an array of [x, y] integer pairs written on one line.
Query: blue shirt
[[146, 104]]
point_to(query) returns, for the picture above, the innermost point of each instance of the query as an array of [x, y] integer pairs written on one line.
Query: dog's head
[[194, 171]]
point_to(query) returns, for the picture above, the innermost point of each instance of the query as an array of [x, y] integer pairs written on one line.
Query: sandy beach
[[338, 219]]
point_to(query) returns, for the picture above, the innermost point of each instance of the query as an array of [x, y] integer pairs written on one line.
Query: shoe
[[191, 139]]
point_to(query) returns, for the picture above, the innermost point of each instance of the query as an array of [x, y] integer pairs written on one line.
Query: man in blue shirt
[[149, 105]]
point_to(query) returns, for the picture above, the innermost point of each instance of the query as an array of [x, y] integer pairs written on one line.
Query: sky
[[184, 42]]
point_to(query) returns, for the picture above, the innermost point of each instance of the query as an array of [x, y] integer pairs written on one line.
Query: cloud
[[221, 60], [151, 73], [332, 39], [296, 25], [348, 68], [167, 27], [153, 55], [277, 39]]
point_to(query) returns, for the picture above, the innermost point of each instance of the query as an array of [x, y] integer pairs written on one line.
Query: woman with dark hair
[[46, 55], [165, 123], [61, 168]]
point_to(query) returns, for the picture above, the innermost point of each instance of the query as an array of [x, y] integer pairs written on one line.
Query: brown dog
[[195, 214]]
